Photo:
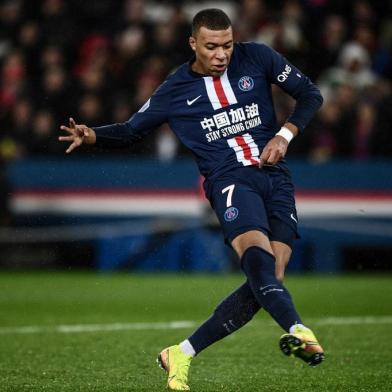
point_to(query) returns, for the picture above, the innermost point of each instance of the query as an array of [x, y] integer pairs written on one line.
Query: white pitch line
[[74, 328], [80, 328], [353, 320]]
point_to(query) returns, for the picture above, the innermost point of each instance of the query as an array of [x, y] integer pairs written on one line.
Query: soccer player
[[220, 106]]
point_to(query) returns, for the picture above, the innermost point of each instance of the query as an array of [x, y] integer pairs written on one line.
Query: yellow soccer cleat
[[302, 344], [176, 364]]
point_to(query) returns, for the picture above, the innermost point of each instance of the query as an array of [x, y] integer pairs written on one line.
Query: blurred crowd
[[99, 61]]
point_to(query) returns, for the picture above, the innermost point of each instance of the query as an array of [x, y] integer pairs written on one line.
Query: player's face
[[213, 50]]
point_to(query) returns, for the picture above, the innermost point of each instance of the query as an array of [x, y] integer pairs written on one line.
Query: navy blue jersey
[[225, 121]]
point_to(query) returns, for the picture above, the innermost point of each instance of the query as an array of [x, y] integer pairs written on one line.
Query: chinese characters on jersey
[[231, 122]]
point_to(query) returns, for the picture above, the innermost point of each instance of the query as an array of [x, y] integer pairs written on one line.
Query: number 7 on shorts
[[229, 189]]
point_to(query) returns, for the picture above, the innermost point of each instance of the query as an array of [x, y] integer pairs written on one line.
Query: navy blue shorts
[[249, 198]]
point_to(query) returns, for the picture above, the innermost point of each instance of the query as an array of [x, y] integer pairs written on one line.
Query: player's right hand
[[274, 151], [78, 134]]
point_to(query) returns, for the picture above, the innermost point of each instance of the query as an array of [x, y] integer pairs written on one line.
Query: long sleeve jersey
[[225, 120]]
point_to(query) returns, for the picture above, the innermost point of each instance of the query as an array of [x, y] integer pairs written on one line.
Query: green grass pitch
[[352, 316]]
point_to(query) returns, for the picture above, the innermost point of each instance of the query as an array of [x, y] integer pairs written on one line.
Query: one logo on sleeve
[[285, 74], [246, 83], [231, 214]]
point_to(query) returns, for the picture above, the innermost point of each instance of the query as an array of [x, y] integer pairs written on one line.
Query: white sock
[[292, 328], [187, 348]]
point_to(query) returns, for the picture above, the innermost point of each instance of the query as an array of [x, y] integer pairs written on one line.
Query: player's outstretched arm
[[77, 135]]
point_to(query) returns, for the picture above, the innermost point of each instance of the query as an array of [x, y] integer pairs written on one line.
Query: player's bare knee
[[251, 238]]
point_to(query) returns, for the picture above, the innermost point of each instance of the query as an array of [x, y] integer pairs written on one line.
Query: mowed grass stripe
[[181, 324]]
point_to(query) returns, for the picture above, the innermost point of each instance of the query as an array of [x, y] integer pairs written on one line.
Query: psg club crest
[[246, 83], [231, 214]]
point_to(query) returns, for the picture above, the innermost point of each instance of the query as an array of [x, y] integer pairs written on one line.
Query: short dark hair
[[212, 19]]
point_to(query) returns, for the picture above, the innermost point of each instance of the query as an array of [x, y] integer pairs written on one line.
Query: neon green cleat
[[302, 344], [176, 364]]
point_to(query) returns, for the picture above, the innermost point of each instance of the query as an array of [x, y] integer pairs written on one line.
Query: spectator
[[29, 42], [18, 126], [5, 216], [10, 21], [13, 79], [52, 56], [91, 110], [325, 132], [353, 69], [325, 52], [42, 141], [131, 52], [252, 16], [380, 142], [364, 128], [57, 25], [54, 92], [285, 34]]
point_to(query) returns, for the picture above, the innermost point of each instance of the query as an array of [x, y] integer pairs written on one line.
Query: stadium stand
[[67, 57]]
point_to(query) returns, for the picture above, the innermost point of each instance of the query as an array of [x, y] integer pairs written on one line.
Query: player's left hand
[[274, 151], [78, 134]]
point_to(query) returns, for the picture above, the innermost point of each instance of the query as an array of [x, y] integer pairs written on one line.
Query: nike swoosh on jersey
[[293, 218], [192, 101]]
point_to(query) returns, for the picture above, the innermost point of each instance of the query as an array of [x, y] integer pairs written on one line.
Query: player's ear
[[192, 43]]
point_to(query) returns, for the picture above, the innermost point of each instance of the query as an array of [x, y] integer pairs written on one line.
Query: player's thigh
[[281, 208], [283, 220], [239, 208]]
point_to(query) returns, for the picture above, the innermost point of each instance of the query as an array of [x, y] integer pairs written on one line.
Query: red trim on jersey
[[220, 92], [246, 149]]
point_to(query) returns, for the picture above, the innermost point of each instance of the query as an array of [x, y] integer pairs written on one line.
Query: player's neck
[[198, 68]]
